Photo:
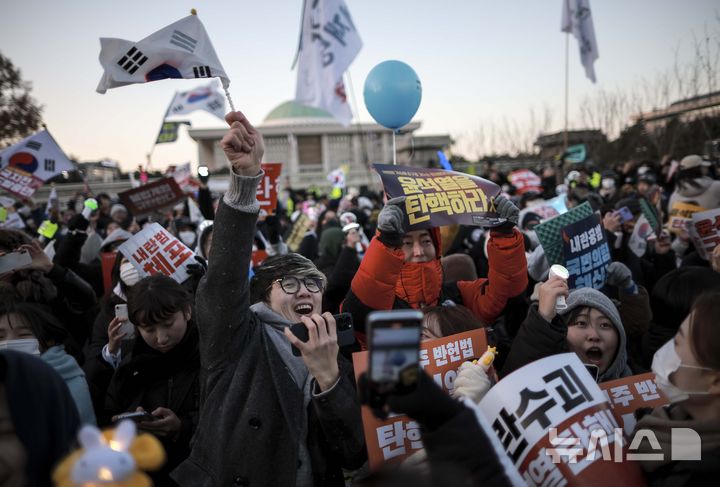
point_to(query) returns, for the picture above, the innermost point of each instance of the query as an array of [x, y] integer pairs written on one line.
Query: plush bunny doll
[[112, 459]]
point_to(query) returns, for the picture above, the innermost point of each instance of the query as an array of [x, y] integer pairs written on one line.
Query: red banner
[[629, 394], [397, 437], [150, 197], [267, 192]]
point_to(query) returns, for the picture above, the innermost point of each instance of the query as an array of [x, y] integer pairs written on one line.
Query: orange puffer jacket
[[375, 284]]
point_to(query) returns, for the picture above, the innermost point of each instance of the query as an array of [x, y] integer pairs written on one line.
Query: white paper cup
[[562, 273]]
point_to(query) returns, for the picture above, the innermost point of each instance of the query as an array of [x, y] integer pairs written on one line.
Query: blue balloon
[[392, 93]]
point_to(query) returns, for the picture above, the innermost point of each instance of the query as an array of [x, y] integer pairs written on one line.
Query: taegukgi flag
[[208, 98], [180, 50], [577, 19], [25, 166], [329, 42]]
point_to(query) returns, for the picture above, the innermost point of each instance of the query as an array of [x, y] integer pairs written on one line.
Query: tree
[[20, 115]]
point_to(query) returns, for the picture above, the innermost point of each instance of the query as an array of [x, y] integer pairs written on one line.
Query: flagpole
[[356, 114], [567, 89]]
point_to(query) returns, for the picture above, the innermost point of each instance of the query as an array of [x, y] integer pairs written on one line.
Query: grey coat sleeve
[[223, 296]]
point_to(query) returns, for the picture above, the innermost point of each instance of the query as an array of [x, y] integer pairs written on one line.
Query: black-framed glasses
[[291, 285]]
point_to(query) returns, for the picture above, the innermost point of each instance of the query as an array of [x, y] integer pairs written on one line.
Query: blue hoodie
[[66, 366]]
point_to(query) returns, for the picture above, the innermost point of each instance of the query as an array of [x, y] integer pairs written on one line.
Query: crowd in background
[[210, 358]]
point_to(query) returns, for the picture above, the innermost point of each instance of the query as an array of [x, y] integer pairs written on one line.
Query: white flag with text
[[577, 19], [180, 50], [208, 98], [329, 42]]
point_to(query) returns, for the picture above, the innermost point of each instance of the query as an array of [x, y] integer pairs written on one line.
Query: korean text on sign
[[629, 394], [587, 254], [705, 231], [448, 194], [155, 251]]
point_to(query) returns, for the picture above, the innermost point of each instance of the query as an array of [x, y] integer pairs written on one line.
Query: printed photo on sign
[[155, 251], [435, 197], [586, 253], [397, 437]]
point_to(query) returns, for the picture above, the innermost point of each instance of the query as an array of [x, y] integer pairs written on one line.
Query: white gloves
[[472, 382]]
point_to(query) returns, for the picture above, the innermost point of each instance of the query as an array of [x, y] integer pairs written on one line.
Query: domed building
[[310, 143]]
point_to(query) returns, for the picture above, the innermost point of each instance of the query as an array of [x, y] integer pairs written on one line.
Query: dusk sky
[[481, 62]]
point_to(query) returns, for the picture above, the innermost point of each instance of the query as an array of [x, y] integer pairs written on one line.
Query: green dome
[[292, 109]]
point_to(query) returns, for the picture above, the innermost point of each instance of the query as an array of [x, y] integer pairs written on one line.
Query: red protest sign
[[397, 437], [19, 182], [107, 261], [705, 231], [150, 197], [435, 197], [267, 192], [629, 394], [525, 180]]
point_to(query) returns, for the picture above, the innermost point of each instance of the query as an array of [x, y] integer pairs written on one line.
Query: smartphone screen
[[121, 311], [394, 349], [625, 214], [14, 260]]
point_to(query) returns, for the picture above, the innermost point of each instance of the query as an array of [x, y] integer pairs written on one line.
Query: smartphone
[[121, 311], [625, 214], [394, 346], [138, 416], [593, 370], [14, 260], [343, 324]]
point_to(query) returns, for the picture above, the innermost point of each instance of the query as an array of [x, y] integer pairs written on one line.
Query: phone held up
[[343, 325], [121, 311], [138, 417], [394, 349]]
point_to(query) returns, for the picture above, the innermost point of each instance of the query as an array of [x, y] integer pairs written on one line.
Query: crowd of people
[[209, 362]]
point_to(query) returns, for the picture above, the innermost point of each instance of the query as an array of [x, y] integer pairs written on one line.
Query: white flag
[[329, 43], [180, 50], [25, 166], [208, 98], [577, 19], [638, 240]]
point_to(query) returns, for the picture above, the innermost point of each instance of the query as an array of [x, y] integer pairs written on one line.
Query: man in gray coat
[[267, 417]]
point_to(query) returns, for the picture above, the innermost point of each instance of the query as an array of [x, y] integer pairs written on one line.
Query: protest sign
[[705, 231], [267, 191], [546, 209], [303, 225], [586, 253], [182, 175], [25, 166], [150, 197], [681, 216], [107, 262], [557, 426], [397, 437], [549, 232], [629, 394], [525, 180], [435, 197], [155, 251]]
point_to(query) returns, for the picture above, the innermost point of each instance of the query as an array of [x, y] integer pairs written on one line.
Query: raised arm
[[222, 300]]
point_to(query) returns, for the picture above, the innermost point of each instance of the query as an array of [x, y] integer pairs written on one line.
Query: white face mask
[[27, 345], [608, 183], [187, 237], [665, 362], [128, 274]]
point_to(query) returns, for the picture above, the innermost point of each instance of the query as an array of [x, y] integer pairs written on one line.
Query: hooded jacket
[[383, 272], [67, 367], [706, 194], [538, 339]]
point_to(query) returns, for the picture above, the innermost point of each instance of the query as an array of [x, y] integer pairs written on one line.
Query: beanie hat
[[331, 242], [117, 207], [592, 298]]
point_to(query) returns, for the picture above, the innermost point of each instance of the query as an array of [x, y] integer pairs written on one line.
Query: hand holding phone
[[625, 214], [343, 325], [137, 416], [121, 311]]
